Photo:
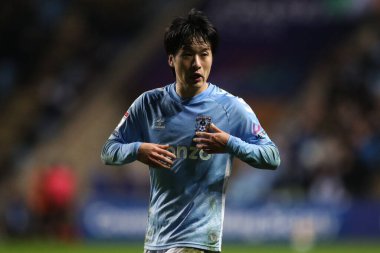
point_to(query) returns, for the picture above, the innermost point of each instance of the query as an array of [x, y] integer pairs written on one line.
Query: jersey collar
[[195, 99]]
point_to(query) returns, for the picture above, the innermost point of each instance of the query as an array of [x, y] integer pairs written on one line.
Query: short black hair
[[183, 30]]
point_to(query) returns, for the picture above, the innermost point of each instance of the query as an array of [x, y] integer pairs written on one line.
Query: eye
[[205, 53]]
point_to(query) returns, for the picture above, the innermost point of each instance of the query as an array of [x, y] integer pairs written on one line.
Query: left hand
[[212, 142]]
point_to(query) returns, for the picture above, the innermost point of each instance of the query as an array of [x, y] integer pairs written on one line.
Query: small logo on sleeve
[[258, 131]]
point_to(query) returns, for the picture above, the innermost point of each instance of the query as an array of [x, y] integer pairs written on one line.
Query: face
[[192, 65]]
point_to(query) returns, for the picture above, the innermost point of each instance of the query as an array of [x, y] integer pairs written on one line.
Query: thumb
[[215, 128]]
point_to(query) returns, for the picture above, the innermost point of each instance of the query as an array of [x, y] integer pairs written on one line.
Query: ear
[[171, 60]]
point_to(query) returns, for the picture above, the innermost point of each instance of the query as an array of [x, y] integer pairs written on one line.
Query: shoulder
[[145, 100], [151, 96], [229, 101]]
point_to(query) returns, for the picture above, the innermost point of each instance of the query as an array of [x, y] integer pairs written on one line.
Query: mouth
[[196, 77]]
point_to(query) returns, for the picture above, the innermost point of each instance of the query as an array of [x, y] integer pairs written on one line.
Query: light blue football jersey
[[187, 203]]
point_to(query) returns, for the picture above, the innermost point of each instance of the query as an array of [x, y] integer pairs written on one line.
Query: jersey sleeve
[[248, 140], [124, 142]]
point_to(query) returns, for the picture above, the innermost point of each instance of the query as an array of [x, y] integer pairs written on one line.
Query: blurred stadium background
[[310, 70]]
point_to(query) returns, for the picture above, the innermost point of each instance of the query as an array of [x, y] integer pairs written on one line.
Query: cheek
[[208, 67], [208, 64], [182, 67], [180, 71]]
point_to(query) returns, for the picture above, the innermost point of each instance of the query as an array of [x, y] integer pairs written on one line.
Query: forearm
[[117, 153], [259, 156]]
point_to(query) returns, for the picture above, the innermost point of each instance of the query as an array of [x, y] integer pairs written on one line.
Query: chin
[[195, 84], [200, 84]]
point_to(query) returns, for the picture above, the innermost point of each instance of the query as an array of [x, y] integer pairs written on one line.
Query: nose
[[196, 62]]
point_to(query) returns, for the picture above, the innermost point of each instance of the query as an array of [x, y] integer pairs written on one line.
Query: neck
[[186, 91]]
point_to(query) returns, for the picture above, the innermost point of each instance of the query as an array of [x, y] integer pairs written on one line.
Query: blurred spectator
[[51, 201], [16, 216]]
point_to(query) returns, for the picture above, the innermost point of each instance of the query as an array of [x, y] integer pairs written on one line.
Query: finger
[[168, 154], [215, 128], [162, 158], [202, 134], [203, 146], [200, 146], [167, 160], [160, 164], [165, 166], [207, 150], [165, 152], [200, 140], [210, 151]]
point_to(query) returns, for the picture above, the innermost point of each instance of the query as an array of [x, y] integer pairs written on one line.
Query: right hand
[[155, 155]]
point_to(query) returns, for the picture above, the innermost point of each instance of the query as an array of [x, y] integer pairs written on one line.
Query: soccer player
[[188, 133]]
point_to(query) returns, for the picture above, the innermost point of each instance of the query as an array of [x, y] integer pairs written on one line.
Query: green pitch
[[81, 247]]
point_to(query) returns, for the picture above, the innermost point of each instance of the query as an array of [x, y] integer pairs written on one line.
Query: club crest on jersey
[[202, 123], [258, 131], [159, 123]]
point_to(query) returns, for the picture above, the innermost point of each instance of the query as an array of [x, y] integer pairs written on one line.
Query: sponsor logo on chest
[[189, 152]]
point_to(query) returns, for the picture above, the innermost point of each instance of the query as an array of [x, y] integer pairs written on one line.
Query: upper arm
[[245, 124], [129, 128]]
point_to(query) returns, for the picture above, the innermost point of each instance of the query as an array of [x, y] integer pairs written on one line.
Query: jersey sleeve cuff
[[135, 149], [130, 151], [233, 144]]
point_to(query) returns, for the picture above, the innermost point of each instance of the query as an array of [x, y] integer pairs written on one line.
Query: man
[[188, 132]]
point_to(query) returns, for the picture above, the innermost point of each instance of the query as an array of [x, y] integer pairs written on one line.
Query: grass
[[82, 247]]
